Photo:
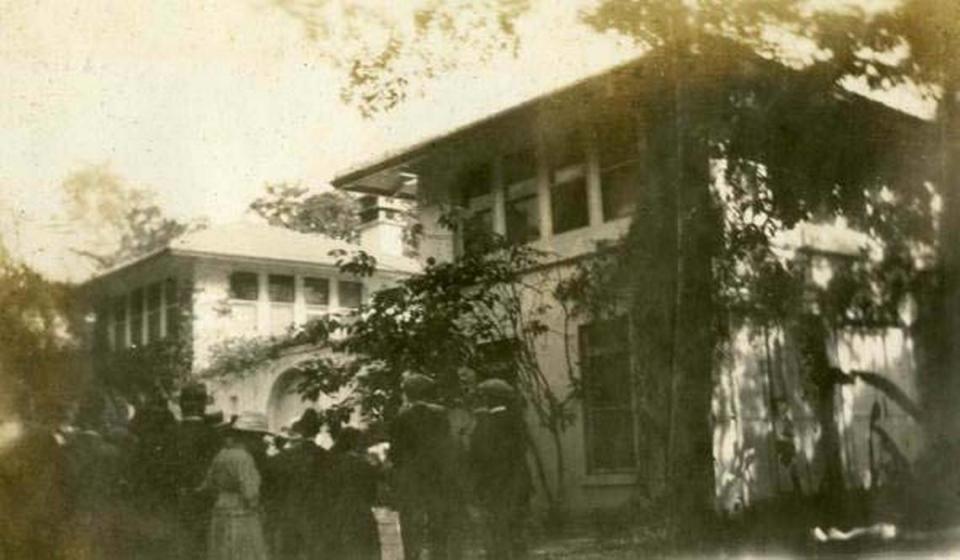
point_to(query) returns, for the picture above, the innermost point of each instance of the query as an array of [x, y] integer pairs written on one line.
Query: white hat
[[252, 422]]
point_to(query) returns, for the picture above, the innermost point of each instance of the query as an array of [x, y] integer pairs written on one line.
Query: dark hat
[[308, 424], [194, 392], [417, 385], [497, 389]]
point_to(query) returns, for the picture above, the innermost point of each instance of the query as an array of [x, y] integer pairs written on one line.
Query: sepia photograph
[[479, 279]]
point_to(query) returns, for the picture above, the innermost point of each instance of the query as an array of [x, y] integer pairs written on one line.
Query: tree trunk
[[681, 174], [945, 389]]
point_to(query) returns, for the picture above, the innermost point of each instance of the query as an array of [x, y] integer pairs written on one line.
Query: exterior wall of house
[[219, 317], [748, 423], [160, 285], [521, 188], [766, 432]]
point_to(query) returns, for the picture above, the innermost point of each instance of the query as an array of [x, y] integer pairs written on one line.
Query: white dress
[[236, 532]]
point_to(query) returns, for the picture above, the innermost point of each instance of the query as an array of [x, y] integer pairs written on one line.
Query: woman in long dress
[[236, 531]]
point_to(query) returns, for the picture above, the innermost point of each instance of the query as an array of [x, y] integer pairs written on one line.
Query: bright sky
[[206, 100]]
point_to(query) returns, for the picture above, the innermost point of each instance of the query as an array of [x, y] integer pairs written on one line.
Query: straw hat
[[255, 422]]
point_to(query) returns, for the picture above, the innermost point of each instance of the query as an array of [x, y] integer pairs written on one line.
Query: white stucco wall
[[217, 318]]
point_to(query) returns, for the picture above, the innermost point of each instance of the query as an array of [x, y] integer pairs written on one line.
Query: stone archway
[[285, 404]]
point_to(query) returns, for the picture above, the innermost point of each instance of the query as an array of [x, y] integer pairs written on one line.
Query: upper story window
[[351, 294], [101, 335], [476, 190], [568, 201], [522, 208], [316, 291], [280, 288], [568, 183], [244, 285], [172, 302], [154, 311], [120, 322], [369, 208], [136, 317], [611, 429], [621, 169]]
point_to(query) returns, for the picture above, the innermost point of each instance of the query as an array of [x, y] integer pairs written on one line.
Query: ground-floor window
[[609, 416]]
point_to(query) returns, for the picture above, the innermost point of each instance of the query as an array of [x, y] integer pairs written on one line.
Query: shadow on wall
[[767, 436]]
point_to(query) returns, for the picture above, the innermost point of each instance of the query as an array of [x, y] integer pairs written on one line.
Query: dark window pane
[[101, 339], [522, 212], [172, 307], [611, 440], [136, 317], [316, 291], [351, 294], [519, 167], [568, 201], [170, 288], [369, 215], [120, 322], [280, 288], [475, 181], [477, 230], [608, 396], [607, 380], [154, 297], [154, 300], [619, 188], [244, 285], [367, 201]]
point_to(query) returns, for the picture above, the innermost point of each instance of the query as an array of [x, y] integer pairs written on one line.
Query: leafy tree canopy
[[293, 206], [114, 221]]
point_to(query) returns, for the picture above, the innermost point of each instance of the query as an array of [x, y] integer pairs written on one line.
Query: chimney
[[381, 224]]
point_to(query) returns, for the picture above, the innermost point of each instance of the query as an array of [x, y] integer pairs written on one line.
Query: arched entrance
[[285, 404]]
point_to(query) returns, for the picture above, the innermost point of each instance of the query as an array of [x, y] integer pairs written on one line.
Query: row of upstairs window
[[142, 316], [619, 152], [281, 288]]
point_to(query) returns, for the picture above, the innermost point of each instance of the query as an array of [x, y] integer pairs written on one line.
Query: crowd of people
[[200, 487]]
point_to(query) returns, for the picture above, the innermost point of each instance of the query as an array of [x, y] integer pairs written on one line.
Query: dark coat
[[353, 487], [498, 457], [31, 496], [296, 499], [423, 450]]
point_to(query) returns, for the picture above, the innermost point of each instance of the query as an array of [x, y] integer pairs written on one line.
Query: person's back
[[298, 497], [193, 448], [498, 448], [353, 488], [422, 452], [421, 442], [498, 455], [30, 491], [195, 442]]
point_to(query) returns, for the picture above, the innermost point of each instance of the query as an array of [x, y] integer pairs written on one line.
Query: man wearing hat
[[194, 445], [422, 451], [498, 457], [298, 474]]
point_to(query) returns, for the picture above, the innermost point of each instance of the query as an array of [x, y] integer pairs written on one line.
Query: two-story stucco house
[[564, 172], [242, 280]]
